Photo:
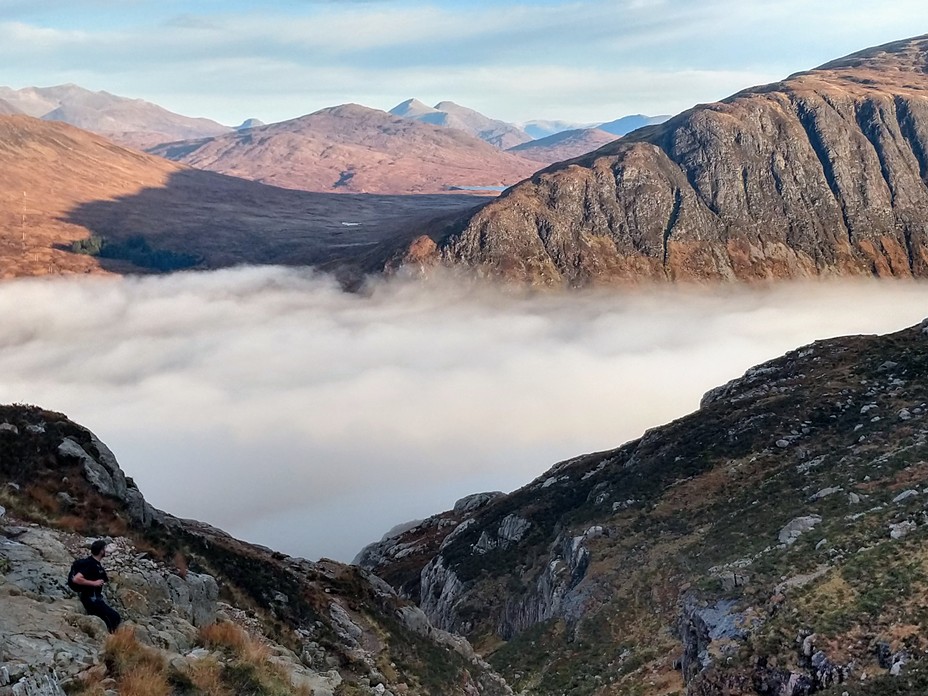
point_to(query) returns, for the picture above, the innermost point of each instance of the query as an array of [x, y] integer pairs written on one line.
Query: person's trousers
[[95, 606]]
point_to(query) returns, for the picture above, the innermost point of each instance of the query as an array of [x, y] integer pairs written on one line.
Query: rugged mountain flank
[[822, 174], [773, 542], [203, 603], [353, 149]]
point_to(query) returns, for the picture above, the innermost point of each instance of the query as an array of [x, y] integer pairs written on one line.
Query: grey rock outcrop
[[471, 503], [440, 590], [555, 593], [796, 527], [104, 474]]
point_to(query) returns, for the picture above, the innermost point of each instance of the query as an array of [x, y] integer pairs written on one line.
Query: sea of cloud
[[270, 403]]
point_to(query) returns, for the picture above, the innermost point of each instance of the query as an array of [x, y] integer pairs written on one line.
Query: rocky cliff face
[[773, 542], [321, 628], [822, 174]]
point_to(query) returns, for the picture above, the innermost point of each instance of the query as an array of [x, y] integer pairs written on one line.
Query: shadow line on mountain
[[225, 221]]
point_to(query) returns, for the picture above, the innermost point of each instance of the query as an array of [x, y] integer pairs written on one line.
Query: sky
[[584, 61], [271, 404]]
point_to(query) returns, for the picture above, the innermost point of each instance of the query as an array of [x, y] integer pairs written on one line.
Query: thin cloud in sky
[[179, 56], [271, 404]]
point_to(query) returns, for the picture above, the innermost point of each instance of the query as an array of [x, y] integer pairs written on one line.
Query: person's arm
[[79, 579]]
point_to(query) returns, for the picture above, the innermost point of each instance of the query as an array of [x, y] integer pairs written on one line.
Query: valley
[[638, 403]]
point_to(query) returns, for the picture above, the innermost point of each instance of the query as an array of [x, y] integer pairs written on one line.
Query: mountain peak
[[351, 148], [411, 108], [453, 116]]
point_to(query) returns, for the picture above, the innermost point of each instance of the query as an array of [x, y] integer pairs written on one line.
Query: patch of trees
[[137, 251]]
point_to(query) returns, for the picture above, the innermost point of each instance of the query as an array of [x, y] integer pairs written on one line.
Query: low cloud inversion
[[271, 404]]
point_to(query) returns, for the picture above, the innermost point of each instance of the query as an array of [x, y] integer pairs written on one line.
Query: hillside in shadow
[[225, 221]]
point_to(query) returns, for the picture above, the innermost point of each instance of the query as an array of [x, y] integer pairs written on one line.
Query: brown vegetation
[[138, 669], [353, 149], [60, 185]]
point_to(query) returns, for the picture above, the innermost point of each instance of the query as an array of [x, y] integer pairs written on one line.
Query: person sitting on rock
[[87, 579]]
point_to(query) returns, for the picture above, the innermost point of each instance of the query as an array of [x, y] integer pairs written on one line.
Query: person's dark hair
[[97, 546]]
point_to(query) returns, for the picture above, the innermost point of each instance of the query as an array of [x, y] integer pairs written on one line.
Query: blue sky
[[580, 60]]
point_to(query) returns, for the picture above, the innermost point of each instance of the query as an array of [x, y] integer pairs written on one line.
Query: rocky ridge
[[320, 627], [773, 542], [822, 174]]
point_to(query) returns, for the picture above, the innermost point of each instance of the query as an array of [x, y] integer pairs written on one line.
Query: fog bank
[[271, 404]]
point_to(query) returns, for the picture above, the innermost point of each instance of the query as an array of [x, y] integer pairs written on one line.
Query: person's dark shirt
[[92, 570]]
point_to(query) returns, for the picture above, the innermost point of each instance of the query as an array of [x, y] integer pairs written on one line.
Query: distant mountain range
[[510, 136], [542, 129], [564, 145], [627, 124], [132, 122], [354, 149], [7, 109], [143, 125], [450, 115], [821, 174]]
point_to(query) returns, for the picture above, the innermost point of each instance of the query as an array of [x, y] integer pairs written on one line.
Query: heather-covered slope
[[314, 627], [353, 149], [822, 174], [773, 542]]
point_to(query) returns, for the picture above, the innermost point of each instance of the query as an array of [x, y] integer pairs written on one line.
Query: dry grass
[[249, 668], [144, 680], [72, 523], [206, 677], [225, 636], [180, 564], [138, 669], [44, 500], [124, 653], [255, 652], [91, 685]]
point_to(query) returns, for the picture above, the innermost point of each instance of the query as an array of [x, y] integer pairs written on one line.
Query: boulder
[[470, 503], [901, 530], [204, 593], [796, 527], [905, 495]]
